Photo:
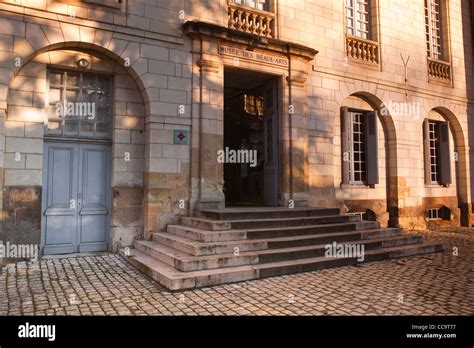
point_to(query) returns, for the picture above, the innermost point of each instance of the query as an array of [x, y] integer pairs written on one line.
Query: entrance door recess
[[76, 197], [251, 123]]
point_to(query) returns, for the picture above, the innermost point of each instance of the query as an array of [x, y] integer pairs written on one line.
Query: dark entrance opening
[[250, 138]]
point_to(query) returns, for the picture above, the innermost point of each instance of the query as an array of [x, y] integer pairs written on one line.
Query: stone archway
[[391, 164], [461, 164], [128, 184]]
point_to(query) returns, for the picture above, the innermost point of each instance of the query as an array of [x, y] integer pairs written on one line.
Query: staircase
[[237, 244]]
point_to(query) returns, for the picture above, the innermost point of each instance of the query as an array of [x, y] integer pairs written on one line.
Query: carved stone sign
[[251, 55]]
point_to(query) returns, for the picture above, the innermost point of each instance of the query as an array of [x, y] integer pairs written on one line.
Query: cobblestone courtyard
[[434, 284]]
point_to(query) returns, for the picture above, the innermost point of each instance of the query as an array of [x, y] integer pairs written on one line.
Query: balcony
[[250, 20], [439, 70], [362, 50]]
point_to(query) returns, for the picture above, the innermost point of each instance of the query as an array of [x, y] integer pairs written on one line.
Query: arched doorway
[[76, 122]]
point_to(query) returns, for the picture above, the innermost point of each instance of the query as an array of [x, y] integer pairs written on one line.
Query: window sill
[[436, 186], [355, 186], [106, 3]]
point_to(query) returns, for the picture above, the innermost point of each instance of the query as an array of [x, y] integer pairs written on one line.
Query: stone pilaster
[[294, 141], [207, 132]]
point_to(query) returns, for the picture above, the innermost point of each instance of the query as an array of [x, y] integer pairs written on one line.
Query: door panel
[[270, 168], [60, 220], [93, 197], [76, 203]]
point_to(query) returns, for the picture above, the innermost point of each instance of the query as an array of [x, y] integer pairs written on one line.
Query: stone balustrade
[[362, 50], [439, 69], [250, 20]]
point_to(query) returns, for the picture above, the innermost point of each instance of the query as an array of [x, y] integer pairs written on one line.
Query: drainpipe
[[290, 120], [200, 121]]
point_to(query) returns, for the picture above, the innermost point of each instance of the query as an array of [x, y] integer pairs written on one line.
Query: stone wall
[[140, 43], [334, 78], [164, 82]]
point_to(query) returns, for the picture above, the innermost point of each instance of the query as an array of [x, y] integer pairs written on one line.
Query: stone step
[[208, 236], [174, 279], [403, 251], [313, 264], [219, 225], [301, 252], [305, 240], [185, 262], [253, 213], [275, 232], [197, 248], [293, 221], [205, 224]]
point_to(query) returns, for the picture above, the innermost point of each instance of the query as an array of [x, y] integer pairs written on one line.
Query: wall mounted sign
[[181, 137], [252, 55]]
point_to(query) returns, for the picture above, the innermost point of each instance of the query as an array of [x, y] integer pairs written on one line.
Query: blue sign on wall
[[181, 136]]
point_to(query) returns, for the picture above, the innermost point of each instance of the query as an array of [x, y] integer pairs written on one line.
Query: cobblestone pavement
[[434, 284]]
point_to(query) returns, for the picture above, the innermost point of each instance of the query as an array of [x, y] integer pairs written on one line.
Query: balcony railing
[[250, 20], [439, 70], [362, 50]]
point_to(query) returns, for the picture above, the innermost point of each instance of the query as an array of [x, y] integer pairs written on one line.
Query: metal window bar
[[434, 214], [434, 151]]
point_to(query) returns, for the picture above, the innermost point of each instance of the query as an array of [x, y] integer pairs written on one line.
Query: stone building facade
[[362, 105]]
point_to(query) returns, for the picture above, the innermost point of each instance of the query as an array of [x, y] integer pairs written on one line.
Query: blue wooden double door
[[76, 197]]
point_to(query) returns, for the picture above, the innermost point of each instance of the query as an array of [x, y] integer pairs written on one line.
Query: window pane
[[87, 126], [72, 96], [103, 128], [72, 80], [55, 78], [72, 125], [54, 95]]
